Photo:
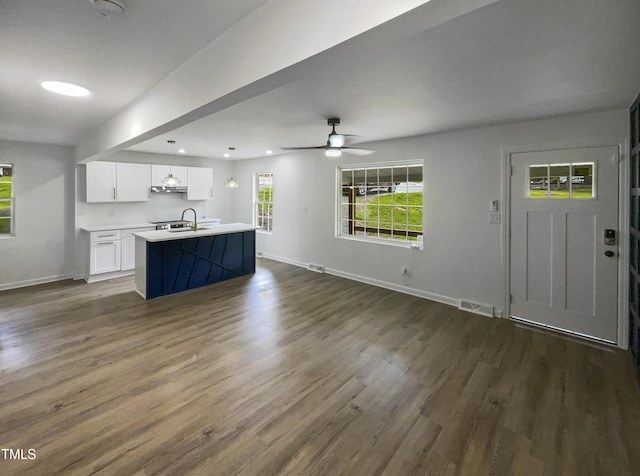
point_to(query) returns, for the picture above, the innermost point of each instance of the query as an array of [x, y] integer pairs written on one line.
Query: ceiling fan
[[335, 143]]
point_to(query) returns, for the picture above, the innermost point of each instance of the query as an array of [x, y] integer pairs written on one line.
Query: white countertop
[[121, 226], [164, 235]]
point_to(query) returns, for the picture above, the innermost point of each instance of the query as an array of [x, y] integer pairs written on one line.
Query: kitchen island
[[169, 262]]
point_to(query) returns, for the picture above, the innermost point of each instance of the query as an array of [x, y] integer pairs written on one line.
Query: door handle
[[609, 254]]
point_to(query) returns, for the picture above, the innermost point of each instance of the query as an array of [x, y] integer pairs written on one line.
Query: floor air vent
[[477, 308], [318, 268]]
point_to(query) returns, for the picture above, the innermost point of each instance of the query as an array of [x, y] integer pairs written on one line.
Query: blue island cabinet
[[180, 264]]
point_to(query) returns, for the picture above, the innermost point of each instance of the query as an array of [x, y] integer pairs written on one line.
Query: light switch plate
[[495, 219]]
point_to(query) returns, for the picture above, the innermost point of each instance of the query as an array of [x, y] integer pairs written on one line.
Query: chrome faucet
[[194, 226]]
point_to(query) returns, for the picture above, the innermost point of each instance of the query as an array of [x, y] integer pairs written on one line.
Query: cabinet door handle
[[106, 243], [107, 236], [114, 193]]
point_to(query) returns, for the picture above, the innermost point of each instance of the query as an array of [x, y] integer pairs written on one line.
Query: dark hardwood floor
[[293, 372]]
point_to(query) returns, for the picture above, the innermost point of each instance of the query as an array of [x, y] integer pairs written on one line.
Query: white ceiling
[[118, 59], [513, 60]]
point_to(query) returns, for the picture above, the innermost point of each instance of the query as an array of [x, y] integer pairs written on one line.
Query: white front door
[[563, 268]]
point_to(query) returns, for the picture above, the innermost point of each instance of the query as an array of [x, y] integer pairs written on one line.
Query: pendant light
[[231, 183], [170, 180]]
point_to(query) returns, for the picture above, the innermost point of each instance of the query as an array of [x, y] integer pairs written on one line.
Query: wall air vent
[[318, 268], [477, 308]]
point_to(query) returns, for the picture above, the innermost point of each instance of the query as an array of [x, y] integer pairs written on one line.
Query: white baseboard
[[94, 278], [283, 260], [33, 282], [395, 287], [374, 282]]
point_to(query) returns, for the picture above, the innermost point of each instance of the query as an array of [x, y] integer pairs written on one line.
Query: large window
[[381, 203], [6, 199], [264, 201]]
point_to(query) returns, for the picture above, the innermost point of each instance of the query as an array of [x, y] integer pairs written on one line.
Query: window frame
[[339, 219], [257, 203], [569, 179], [11, 201]]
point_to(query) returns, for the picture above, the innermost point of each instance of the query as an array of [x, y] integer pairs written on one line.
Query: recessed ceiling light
[[68, 89], [269, 152], [226, 155], [181, 151]]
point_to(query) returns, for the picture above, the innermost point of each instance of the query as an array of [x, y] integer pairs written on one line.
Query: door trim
[[623, 225]]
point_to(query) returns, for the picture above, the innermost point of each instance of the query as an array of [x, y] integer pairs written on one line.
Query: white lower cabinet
[[128, 260], [113, 250], [105, 251]]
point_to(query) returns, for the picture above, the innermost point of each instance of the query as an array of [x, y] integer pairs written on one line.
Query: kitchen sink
[[182, 230]]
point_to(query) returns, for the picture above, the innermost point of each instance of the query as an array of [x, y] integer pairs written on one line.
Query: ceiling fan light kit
[[335, 143], [110, 8]]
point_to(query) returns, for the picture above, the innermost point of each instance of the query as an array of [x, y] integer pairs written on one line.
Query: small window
[[558, 181], [381, 203], [264, 202], [6, 199]]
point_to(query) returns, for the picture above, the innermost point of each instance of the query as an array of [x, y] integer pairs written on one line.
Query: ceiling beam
[[281, 42]]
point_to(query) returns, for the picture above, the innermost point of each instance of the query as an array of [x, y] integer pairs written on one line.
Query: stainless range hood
[[164, 189]]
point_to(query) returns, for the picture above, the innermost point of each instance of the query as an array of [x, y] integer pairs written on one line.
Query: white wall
[[462, 256], [463, 253], [42, 248]]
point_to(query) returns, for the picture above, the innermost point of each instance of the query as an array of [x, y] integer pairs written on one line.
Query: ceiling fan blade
[[304, 148], [357, 151]]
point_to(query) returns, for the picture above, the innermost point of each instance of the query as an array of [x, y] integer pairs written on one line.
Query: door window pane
[[558, 181], [538, 181], [582, 181]]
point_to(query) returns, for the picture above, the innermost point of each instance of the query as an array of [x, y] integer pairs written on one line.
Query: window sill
[[398, 244], [264, 232]]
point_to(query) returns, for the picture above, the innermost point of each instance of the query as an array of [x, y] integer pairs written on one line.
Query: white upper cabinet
[[159, 172], [101, 182], [118, 182], [133, 182], [200, 183]]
